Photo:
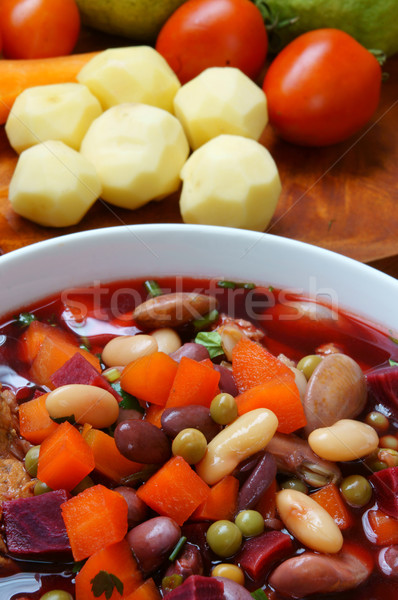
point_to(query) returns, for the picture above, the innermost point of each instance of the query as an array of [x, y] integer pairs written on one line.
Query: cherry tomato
[[322, 88], [214, 33], [38, 28]]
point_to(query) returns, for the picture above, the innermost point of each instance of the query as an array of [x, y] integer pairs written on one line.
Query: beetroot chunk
[[259, 553], [385, 484], [383, 384], [35, 528], [197, 587], [78, 370]]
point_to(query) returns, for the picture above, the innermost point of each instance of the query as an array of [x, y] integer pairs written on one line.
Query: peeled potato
[[134, 74], [62, 111], [53, 185], [138, 152], [221, 100], [230, 181]]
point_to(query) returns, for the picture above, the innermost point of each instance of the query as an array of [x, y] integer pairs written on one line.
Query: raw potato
[[138, 151], [135, 74], [221, 100], [53, 185], [230, 181], [62, 111]]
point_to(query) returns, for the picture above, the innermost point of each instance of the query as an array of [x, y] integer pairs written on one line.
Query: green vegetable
[[204, 322], [259, 595], [178, 548], [233, 285], [224, 538], [153, 288], [24, 319], [170, 582], [105, 583], [392, 362], [70, 419], [212, 341], [128, 401]]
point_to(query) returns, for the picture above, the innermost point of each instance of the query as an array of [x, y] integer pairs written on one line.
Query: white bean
[[347, 439], [168, 340], [87, 403], [308, 521], [123, 349], [247, 435]]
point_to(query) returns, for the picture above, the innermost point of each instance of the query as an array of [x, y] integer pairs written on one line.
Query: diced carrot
[[35, 424], [52, 355], [94, 519], [175, 490], [153, 415], [146, 591], [267, 503], [108, 460], [221, 501], [253, 365], [17, 75], [150, 378], [282, 397], [34, 336], [65, 458], [384, 528], [116, 559], [330, 498], [194, 383]]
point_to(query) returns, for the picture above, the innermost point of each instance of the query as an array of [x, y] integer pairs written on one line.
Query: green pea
[[294, 484], [191, 444], [308, 364], [31, 460], [224, 538], [250, 522], [41, 488], [376, 465], [57, 595], [85, 483], [223, 409], [356, 490], [377, 420], [389, 441]]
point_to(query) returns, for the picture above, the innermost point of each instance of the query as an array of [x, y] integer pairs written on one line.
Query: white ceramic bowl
[[118, 253]]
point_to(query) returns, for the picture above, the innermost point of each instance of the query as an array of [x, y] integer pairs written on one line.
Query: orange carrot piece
[[146, 591], [194, 383], [384, 528], [221, 501], [116, 559], [94, 519], [150, 378], [253, 365], [175, 490], [282, 397], [34, 336], [35, 424], [267, 503], [153, 415], [17, 75], [52, 355], [330, 498], [108, 460]]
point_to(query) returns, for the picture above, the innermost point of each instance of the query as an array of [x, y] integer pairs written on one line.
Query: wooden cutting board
[[342, 197]]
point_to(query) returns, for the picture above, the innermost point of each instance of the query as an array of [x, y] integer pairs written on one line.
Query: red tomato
[[38, 28], [214, 33], [322, 88]]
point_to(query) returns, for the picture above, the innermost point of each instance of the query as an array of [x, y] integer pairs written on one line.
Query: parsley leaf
[[212, 341], [128, 401], [259, 594], [393, 363], [69, 418], [105, 583], [25, 318]]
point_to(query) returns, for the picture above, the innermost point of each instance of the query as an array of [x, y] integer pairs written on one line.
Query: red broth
[[94, 315]]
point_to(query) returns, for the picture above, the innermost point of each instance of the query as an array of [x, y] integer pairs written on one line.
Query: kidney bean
[[233, 590], [173, 310], [188, 563], [128, 413], [152, 541], [137, 509], [176, 419], [227, 382], [142, 442], [387, 561], [257, 483], [190, 350]]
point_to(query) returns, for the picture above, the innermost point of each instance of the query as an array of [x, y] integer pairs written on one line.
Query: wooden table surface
[[343, 197]]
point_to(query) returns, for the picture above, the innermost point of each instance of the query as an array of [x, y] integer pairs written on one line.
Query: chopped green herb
[[83, 347], [77, 566], [105, 583], [393, 363], [170, 582], [112, 375], [85, 343], [271, 288], [25, 318], [205, 321], [177, 548], [128, 401], [212, 341], [259, 594], [394, 339], [235, 284], [69, 419], [153, 288]]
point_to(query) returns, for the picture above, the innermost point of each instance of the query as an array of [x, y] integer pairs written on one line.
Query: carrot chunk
[[35, 424], [384, 529], [150, 378], [94, 519], [330, 498], [146, 591], [221, 501], [34, 336], [65, 458], [153, 415], [194, 383], [174, 491]]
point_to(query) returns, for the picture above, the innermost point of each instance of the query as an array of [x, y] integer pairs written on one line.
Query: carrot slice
[[253, 365], [35, 424], [94, 519], [17, 75], [150, 378], [330, 498], [221, 501], [194, 383], [34, 336], [65, 458], [146, 591], [174, 491], [117, 560], [282, 397], [153, 415], [384, 529]]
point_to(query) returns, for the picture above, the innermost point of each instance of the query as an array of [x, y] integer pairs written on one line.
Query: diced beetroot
[[78, 370], [35, 528], [259, 553], [197, 587], [385, 484], [383, 384]]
